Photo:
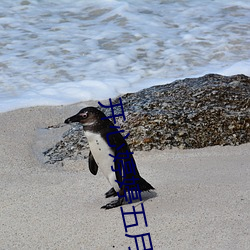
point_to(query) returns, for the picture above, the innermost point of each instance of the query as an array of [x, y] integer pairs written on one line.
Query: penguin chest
[[100, 151]]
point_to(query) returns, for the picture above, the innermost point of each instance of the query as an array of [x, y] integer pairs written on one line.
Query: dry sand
[[202, 198]]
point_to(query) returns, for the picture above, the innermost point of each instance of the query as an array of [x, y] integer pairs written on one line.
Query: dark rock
[[190, 113]]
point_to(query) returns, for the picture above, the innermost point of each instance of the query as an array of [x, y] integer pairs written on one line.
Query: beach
[[201, 198], [56, 56]]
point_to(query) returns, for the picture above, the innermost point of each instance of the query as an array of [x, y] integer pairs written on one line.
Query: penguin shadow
[[145, 196]]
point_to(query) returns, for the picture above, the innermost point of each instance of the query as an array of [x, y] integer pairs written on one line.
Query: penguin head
[[87, 117]]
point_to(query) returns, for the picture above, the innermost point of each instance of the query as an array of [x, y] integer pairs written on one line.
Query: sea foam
[[63, 52]]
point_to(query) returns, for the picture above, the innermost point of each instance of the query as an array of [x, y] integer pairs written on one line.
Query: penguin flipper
[[93, 167]]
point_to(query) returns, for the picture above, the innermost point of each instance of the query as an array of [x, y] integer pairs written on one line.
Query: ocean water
[[61, 52]]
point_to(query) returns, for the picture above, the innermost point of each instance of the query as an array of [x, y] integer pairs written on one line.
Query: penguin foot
[[111, 193], [113, 204]]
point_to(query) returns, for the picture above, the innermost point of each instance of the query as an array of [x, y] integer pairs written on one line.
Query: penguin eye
[[84, 115]]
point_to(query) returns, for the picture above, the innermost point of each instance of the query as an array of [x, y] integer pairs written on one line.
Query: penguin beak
[[74, 118]]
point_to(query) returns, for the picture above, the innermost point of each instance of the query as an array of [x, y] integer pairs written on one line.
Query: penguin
[[99, 129]]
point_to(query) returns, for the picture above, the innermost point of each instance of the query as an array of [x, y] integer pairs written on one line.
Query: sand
[[201, 200]]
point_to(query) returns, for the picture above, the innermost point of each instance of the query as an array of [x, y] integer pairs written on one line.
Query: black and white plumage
[[96, 130]]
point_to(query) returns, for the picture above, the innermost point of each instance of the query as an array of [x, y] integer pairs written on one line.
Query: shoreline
[[201, 199]]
